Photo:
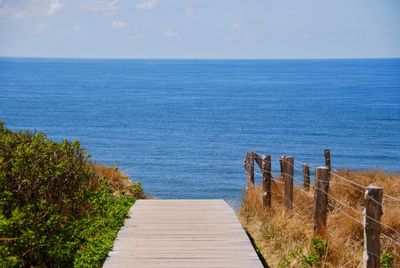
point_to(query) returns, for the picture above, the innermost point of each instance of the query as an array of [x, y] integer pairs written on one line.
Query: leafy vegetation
[[56, 208], [318, 252], [387, 260]]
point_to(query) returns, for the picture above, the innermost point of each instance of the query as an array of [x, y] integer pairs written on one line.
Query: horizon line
[[205, 59]]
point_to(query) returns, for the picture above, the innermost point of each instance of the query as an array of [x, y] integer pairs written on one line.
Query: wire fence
[[292, 173]]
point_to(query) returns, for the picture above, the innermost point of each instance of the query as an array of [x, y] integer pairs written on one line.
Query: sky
[[200, 29]]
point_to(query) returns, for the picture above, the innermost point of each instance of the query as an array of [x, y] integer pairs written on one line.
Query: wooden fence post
[[288, 168], [372, 226], [321, 200], [327, 153], [266, 171], [306, 172], [281, 162], [249, 167], [257, 160]]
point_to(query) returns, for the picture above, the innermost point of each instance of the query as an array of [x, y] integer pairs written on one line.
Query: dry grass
[[119, 181], [284, 238]]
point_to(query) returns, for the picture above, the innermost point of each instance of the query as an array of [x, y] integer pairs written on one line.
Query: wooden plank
[[182, 233], [182, 263]]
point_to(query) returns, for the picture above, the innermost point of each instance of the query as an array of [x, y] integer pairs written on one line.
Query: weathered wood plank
[[182, 233]]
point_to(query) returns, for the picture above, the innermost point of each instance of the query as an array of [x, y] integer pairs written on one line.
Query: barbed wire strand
[[351, 182], [332, 173], [293, 209], [343, 205], [391, 239], [351, 186], [362, 186], [340, 210], [305, 163], [382, 224]]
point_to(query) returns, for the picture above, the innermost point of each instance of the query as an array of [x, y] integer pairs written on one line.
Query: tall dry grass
[[120, 182], [284, 238]]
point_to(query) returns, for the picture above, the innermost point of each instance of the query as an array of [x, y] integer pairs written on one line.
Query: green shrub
[[319, 251], [100, 226], [54, 210], [387, 260]]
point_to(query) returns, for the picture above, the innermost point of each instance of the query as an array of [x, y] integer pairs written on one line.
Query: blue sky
[[200, 28]]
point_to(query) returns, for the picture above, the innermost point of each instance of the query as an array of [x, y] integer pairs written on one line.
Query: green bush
[[387, 260], [54, 210], [319, 251]]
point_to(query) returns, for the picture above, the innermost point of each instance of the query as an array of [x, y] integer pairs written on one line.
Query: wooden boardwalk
[[182, 233]]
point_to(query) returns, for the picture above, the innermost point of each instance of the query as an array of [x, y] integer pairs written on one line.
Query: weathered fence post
[[327, 153], [266, 171], [288, 168], [372, 226], [249, 167], [281, 163], [321, 200], [258, 160], [306, 181]]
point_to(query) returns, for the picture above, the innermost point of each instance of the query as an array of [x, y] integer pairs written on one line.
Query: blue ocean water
[[182, 127]]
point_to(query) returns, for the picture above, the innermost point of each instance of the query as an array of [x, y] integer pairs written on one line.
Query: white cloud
[[30, 8], [101, 6], [147, 5], [41, 28], [3, 9], [118, 24], [77, 31], [236, 25], [305, 36], [55, 6], [189, 9], [170, 33]]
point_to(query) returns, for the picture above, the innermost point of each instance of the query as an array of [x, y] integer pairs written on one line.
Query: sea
[[183, 127]]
